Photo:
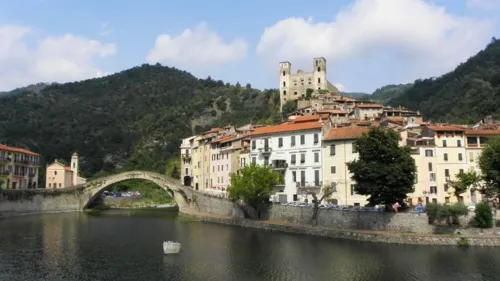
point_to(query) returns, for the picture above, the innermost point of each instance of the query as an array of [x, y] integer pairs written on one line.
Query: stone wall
[[36, 202], [215, 205], [379, 221]]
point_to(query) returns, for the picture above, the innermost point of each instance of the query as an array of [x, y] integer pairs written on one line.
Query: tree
[[309, 93], [483, 216], [465, 181], [489, 163], [175, 172], [253, 186], [384, 171], [289, 107], [248, 86], [326, 191]]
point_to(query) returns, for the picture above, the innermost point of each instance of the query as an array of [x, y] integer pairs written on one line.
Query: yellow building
[[18, 168], [60, 176], [337, 150]]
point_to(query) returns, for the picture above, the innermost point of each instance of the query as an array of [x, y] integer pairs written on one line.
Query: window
[[302, 139], [303, 178], [284, 93], [447, 173], [60, 185], [293, 141], [294, 176], [459, 143], [316, 139], [429, 153], [293, 159], [49, 185], [434, 190], [55, 173], [316, 157], [353, 191], [213, 169], [280, 142], [253, 145], [284, 73], [354, 150], [254, 160], [432, 177], [295, 93], [284, 84], [316, 178], [446, 187], [319, 69], [445, 157], [332, 150], [430, 167], [319, 80], [444, 143], [471, 156], [266, 143], [460, 158], [333, 169], [461, 171], [302, 158]]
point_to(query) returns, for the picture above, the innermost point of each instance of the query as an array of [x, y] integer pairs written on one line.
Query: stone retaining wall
[[395, 238], [33, 202]]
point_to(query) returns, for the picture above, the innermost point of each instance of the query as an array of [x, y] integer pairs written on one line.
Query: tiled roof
[[447, 128], [18, 150], [482, 132], [308, 118], [68, 169], [332, 111], [369, 106], [213, 130], [287, 127], [224, 139], [345, 133]]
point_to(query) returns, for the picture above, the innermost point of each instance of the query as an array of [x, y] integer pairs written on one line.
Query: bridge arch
[[181, 194]]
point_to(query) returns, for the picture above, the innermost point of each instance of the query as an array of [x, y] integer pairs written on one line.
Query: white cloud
[[26, 58], [422, 38], [340, 87], [196, 49]]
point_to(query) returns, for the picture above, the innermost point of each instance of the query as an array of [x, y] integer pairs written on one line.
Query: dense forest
[[134, 119], [465, 95]]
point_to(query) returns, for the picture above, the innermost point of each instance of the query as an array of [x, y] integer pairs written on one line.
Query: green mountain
[[134, 119], [467, 94], [386, 93], [35, 88]]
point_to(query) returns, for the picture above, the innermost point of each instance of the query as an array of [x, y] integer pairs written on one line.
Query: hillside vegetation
[[134, 119], [467, 94]]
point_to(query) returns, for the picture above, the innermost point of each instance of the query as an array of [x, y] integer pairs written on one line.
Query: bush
[[448, 213], [483, 216]]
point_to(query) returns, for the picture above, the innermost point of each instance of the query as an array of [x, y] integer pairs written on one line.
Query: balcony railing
[[34, 163], [279, 165], [312, 184], [186, 156], [5, 159], [5, 173], [21, 162], [265, 150]]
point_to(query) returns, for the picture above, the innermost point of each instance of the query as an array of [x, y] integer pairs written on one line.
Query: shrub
[[448, 213], [483, 216]]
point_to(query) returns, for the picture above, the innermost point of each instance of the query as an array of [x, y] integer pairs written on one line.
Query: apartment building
[[18, 168], [187, 175], [221, 162], [294, 150], [367, 111], [338, 149]]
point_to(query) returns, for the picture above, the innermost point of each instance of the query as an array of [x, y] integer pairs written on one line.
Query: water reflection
[[127, 245]]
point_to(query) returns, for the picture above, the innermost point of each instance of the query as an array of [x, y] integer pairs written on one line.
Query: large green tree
[[253, 186], [489, 163], [384, 171], [289, 107], [464, 181]]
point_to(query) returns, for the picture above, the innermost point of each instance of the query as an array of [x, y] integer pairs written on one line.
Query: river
[[127, 245]]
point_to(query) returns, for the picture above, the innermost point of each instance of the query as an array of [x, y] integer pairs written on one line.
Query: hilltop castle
[[294, 86]]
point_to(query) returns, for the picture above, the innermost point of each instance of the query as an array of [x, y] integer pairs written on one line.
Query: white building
[[187, 175], [338, 150], [293, 149]]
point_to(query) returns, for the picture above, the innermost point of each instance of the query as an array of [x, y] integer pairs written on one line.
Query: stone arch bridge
[[92, 189]]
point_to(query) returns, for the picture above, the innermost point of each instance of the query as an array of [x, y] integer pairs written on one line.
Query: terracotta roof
[[447, 128], [224, 139], [308, 118], [482, 132], [369, 106], [345, 133], [18, 150], [422, 123], [332, 111], [287, 127], [68, 169], [213, 130]]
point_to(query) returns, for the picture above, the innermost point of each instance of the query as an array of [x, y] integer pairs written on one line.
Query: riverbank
[[358, 235]]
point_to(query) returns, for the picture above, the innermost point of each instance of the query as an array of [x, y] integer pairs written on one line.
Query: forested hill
[[467, 94], [132, 119]]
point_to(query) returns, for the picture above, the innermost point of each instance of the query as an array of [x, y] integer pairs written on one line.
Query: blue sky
[[367, 43]]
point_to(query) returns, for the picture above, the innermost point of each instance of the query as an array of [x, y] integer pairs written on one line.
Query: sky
[[367, 43]]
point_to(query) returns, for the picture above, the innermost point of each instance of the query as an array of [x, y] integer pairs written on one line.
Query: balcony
[[5, 173], [309, 185], [265, 150], [186, 156], [21, 162], [31, 175], [5, 159], [279, 165]]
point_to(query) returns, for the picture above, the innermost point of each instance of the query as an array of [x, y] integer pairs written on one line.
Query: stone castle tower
[[294, 86], [74, 168]]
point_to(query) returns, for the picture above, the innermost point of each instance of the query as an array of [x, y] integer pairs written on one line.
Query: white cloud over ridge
[[421, 37], [51, 59], [196, 48]]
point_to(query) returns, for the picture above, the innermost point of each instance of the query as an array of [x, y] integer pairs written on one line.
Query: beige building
[[367, 111], [60, 176], [337, 150], [18, 168], [187, 174], [294, 86]]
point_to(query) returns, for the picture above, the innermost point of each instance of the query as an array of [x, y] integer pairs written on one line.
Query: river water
[[127, 245]]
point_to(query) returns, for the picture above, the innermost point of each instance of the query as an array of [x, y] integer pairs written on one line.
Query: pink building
[[221, 162]]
